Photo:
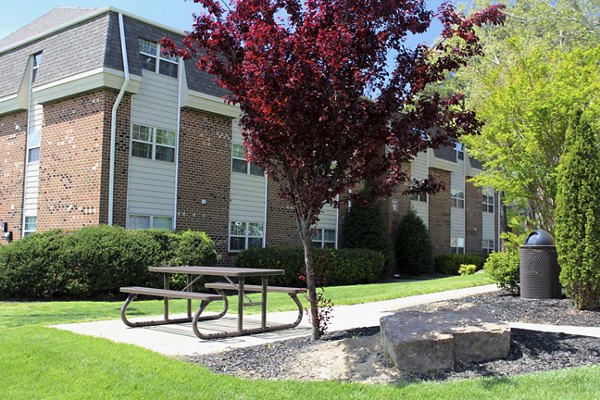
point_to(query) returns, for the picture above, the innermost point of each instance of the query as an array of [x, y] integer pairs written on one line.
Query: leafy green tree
[[538, 68], [364, 228], [414, 251], [578, 213]]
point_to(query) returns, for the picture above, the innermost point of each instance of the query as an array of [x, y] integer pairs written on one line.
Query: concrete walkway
[[179, 340]]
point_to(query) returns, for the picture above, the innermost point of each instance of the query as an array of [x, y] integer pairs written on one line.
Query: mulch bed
[[530, 351]]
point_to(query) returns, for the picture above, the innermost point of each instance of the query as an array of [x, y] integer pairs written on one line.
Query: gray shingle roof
[[52, 19], [88, 45]]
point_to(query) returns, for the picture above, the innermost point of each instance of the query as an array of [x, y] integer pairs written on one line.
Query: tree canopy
[[538, 69]]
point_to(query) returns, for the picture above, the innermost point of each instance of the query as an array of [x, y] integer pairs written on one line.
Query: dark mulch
[[530, 351]]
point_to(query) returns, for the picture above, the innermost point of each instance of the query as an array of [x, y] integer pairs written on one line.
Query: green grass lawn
[[37, 362]]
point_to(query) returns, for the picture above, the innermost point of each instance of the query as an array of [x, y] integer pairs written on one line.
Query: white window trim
[[322, 241], [246, 236], [419, 197], [153, 130], [460, 201], [151, 226], [28, 231], [459, 249], [487, 201], [490, 246], [159, 57], [248, 164]]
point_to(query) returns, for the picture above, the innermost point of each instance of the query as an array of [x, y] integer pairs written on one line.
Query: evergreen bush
[[414, 251], [578, 213], [503, 268], [364, 228]]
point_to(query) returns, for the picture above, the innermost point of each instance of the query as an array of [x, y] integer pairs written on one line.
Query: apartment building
[[98, 127]]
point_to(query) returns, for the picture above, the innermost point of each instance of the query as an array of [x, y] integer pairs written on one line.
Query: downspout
[[179, 91], [499, 220], [113, 124], [337, 221], [264, 241]]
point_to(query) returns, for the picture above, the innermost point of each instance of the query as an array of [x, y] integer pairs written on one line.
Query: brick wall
[[281, 224], [473, 219], [123, 133], [12, 161], [439, 214], [71, 162], [205, 173]]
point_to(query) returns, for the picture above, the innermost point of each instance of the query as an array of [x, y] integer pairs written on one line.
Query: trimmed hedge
[[340, 267], [449, 264], [95, 261]]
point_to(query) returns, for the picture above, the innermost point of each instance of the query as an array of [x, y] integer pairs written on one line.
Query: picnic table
[[235, 281]]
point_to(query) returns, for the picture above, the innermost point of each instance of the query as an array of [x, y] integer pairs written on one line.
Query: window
[[324, 238], [245, 235], [149, 221], [152, 59], [153, 143], [394, 205], [487, 200], [239, 163], [422, 197], [457, 245], [487, 246], [459, 149], [457, 198], [30, 225]]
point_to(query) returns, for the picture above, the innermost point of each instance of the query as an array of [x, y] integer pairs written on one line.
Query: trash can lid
[[539, 238]]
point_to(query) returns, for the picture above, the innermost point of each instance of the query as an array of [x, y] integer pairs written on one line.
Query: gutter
[[113, 123], [180, 72]]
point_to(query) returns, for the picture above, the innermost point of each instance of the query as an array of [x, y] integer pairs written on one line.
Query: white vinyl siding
[[419, 171], [488, 219], [457, 215], [156, 102], [151, 187], [30, 201], [326, 227], [151, 183], [247, 197]]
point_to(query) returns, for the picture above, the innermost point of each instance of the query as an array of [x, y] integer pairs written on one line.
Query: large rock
[[423, 341]]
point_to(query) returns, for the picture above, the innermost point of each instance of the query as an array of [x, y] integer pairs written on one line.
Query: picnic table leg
[[166, 299], [263, 316], [189, 301], [241, 304]]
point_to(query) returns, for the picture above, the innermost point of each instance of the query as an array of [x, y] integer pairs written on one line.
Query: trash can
[[539, 268]]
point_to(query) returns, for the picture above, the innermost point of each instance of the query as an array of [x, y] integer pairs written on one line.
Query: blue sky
[[174, 13]]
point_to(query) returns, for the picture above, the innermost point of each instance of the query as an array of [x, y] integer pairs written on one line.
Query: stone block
[[424, 341]]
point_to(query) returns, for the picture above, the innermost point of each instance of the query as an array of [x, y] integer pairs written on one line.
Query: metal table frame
[[227, 272]]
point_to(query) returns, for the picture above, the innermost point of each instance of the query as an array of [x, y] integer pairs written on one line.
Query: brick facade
[[282, 229], [205, 173], [71, 162], [439, 215], [473, 219], [13, 139]]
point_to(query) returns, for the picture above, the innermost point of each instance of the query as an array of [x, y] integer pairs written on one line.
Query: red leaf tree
[[330, 95]]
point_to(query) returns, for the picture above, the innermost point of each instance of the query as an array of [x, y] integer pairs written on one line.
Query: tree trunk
[[310, 282]]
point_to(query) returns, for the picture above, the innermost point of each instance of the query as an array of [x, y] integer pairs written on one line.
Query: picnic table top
[[218, 271]]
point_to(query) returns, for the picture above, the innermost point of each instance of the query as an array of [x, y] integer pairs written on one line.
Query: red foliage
[[301, 74]]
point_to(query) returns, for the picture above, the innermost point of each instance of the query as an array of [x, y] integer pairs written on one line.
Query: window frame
[[459, 150], [150, 221], [454, 245], [27, 230], [153, 142], [487, 201], [488, 246], [249, 166], [420, 197], [158, 57], [319, 240], [457, 198], [246, 235]]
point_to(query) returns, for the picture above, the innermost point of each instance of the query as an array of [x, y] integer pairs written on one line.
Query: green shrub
[[449, 264], [95, 261], [30, 267], [467, 269], [364, 228], [414, 251], [503, 268], [338, 267], [578, 213]]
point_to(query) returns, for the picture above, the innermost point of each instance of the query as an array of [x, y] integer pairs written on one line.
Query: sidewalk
[[179, 340]]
